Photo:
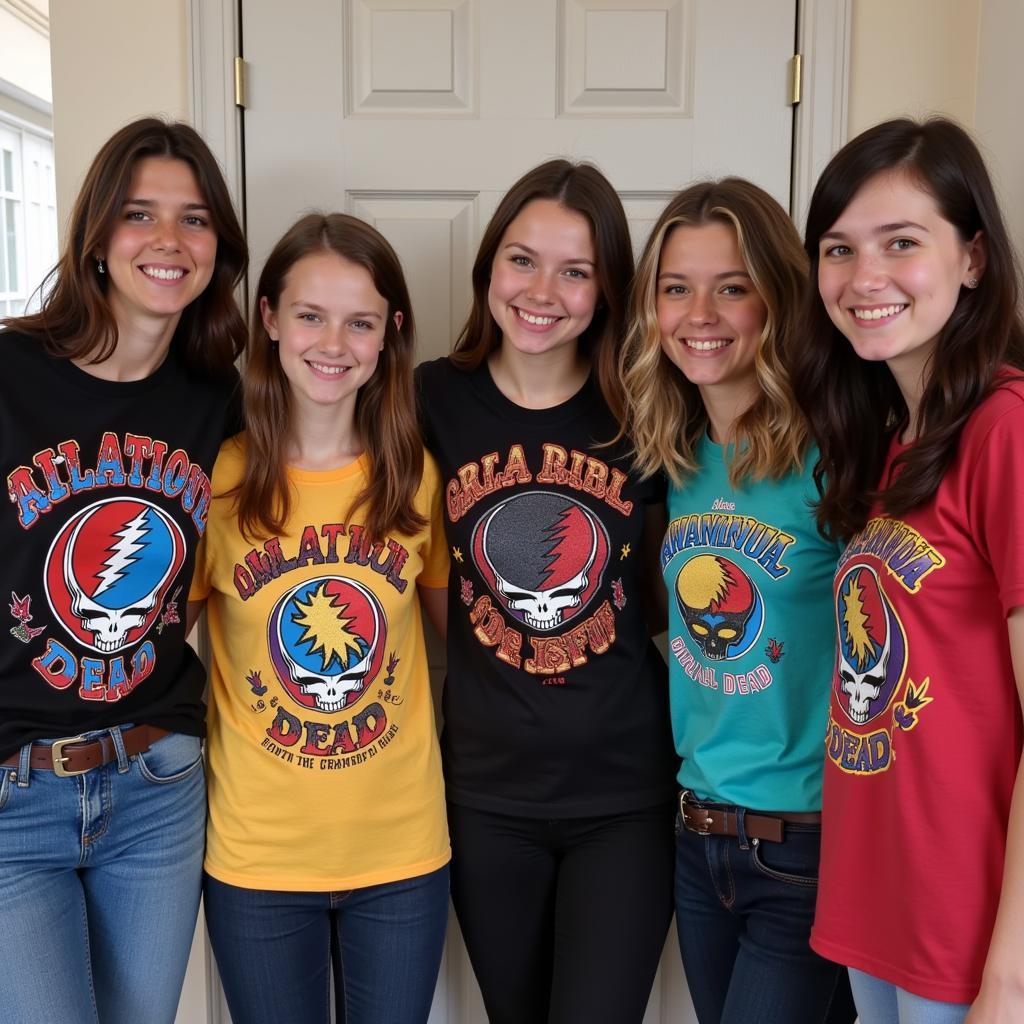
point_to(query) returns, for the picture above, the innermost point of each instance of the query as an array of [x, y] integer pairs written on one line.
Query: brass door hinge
[[795, 82], [241, 76]]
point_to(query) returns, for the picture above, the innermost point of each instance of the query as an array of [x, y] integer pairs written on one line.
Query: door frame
[[822, 38]]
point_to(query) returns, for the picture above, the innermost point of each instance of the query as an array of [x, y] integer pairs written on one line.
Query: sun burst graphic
[[856, 622], [326, 628]]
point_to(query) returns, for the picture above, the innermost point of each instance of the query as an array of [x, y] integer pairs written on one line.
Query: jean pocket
[[794, 860], [172, 758]]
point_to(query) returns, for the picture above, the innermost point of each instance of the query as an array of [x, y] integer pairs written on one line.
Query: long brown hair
[[666, 417], [75, 320], [385, 407], [854, 406], [583, 189]]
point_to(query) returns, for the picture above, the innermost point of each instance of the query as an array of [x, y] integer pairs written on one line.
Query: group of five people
[[836, 430]]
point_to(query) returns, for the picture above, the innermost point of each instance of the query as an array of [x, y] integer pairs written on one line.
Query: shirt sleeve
[[435, 550], [995, 499]]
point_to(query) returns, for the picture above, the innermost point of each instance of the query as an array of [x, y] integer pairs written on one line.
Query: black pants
[[564, 920]]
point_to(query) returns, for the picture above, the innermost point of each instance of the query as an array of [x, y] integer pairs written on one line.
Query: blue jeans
[[275, 950], [881, 1002], [744, 910], [99, 886]]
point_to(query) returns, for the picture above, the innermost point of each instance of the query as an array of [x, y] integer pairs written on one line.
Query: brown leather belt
[[722, 821], [74, 755]]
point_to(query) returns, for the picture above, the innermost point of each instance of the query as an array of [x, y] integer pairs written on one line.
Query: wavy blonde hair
[[665, 417]]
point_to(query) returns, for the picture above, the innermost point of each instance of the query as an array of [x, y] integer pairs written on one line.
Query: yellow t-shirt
[[324, 769]]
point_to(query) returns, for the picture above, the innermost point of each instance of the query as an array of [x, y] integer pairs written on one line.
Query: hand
[[998, 1002]]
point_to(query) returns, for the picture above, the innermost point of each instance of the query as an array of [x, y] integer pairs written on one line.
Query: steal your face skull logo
[[109, 569], [721, 606], [327, 638], [872, 647], [543, 554]]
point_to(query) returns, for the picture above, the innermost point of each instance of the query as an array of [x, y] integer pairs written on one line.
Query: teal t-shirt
[[751, 636]]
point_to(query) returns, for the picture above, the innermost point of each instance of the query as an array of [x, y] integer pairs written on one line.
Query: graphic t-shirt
[[751, 643], [108, 492], [324, 768], [924, 737], [556, 701]]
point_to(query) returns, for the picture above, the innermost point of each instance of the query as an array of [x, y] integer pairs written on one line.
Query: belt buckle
[[59, 757], [682, 807]]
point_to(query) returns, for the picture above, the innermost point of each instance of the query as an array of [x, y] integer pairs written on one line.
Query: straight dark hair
[[75, 320], [583, 189], [854, 406], [385, 407]]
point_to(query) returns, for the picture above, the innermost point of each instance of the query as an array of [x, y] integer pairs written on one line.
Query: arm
[[655, 595], [434, 601], [192, 613], [1001, 999]]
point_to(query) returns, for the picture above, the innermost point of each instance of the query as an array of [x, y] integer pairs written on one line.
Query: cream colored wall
[[25, 55], [954, 57], [913, 57], [997, 116], [113, 61]]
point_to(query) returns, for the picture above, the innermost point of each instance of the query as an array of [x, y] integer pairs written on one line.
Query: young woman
[[557, 752], [909, 373], [113, 402], [327, 835], [716, 299]]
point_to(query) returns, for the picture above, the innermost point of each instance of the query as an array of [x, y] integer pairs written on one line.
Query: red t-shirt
[[925, 735]]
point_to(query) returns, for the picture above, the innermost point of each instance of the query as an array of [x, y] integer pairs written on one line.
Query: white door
[[417, 115]]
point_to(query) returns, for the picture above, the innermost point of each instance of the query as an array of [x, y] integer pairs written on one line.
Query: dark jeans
[[275, 949], [564, 920], [744, 910]]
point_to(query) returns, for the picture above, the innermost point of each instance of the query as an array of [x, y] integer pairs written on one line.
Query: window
[[28, 215]]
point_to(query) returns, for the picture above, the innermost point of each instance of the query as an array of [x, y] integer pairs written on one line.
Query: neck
[[142, 345], [725, 404], [910, 379], [539, 381], [323, 436]]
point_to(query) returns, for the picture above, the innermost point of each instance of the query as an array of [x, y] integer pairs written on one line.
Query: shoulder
[[222, 388], [430, 483], [23, 351], [1002, 410], [438, 374], [230, 464]]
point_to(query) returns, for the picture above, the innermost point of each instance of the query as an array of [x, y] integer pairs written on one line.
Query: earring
[[972, 282], [101, 266]]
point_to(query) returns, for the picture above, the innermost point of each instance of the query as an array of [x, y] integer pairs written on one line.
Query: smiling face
[[329, 325], [161, 252], [890, 273], [543, 291], [710, 316]]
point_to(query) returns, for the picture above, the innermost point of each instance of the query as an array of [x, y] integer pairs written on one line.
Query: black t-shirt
[[556, 701], [108, 487]]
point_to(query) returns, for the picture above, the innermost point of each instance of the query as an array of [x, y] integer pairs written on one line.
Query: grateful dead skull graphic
[[327, 639], [872, 646], [721, 606], [109, 569], [543, 555]]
